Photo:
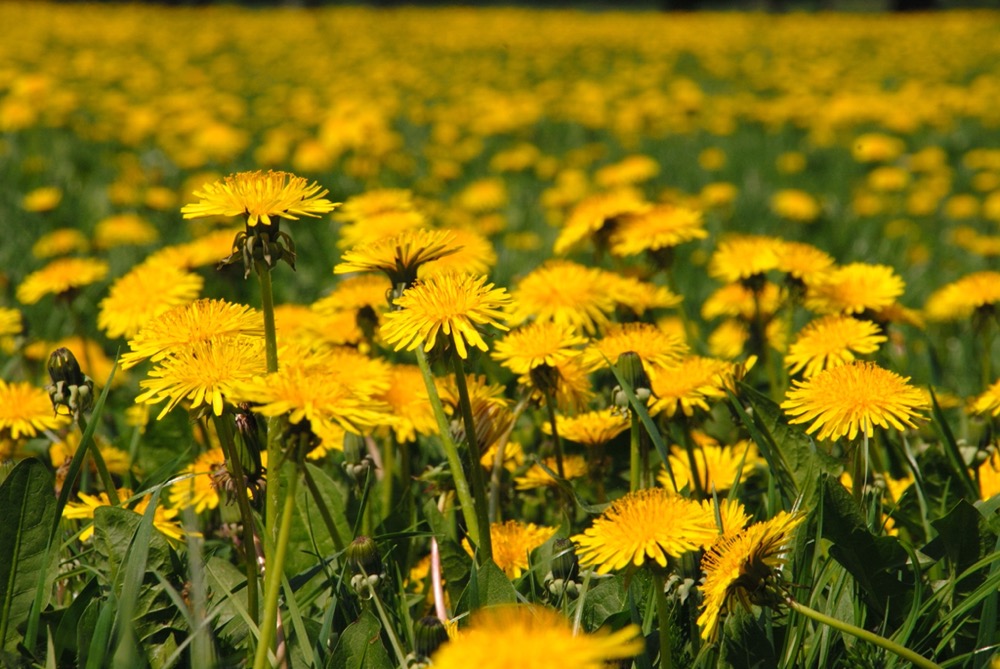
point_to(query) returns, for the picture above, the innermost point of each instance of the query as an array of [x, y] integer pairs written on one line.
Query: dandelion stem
[[387, 625], [550, 407], [450, 451], [498, 459], [863, 634], [331, 527], [243, 504], [481, 505], [663, 619], [102, 467], [273, 443], [635, 436]]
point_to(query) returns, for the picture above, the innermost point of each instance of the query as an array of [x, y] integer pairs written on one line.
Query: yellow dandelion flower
[[689, 385], [206, 373], [60, 277], [115, 459], [574, 466], [258, 196], [355, 293], [408, 402], [803, 261], [718, 195], [537, 344], [741, 257], [593, 428], [854, 288], [729, 517], [122, 230], [645, 525], [659, 227], [374, 202], [530, 637], [513, 542], [592, 214], [795, 205], [635, 295], [184, 326], [988, 401], [877, 148], [629, 170], [960, 299], [483, 195], [566, 293], [853, 398], [60, 242], [42, 199], [378, 226], [206, 250], [164, 519], [988, 474], [738, 300], [654, 346], [452, 304], [831, 341], [11, 322], [198, 490], [574, 390], [399, 257], [717, 465], [513, 456], [145, 292], [26, 411], [739, 567], [476, 255]]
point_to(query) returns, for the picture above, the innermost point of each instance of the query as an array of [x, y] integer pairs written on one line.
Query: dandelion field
[[498, 338]]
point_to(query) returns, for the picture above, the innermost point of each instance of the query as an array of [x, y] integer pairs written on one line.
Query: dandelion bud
[[428, 635], [70, 388], [564, 563], [356, 460], [630, 367], [365, 562], [545, 377]]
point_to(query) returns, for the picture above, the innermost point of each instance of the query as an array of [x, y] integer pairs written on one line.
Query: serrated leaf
[[361, 647], [29, 512]]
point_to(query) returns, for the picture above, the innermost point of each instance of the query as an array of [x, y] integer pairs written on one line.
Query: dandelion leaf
[[361, 647]]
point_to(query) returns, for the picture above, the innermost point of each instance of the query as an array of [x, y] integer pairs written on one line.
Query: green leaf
[[360, 646], [604, 600], [335, 502], [963, 537], [488, 586], [29, 511]]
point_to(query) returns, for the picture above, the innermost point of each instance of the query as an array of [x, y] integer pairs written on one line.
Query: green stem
[[397, 647], [331, 527], [102, 467], [497, 469], [481, 505], [863, 634], [860, 468], [663, 618], [388, 473], [222, 428], [550, 407], [450, 451], [276, 566], [635, 472], [273, 443]]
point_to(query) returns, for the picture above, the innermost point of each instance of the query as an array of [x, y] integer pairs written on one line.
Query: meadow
[[361, 338]]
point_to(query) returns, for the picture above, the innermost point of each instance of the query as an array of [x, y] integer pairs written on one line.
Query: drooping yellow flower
[[831, 341], [449, 304], [205, 373], [717, 465], [574, 466], [537, 344], [164, 519], [736, 299], [853, 398], [531, 637], [662, 226], [145, 292], [645, 525], [399, 257], [186, 325], [854, 288], [25, 411], [730, 517], [960, 299], [566, 293], [513, 542], [60, 277], [258, 196], [593, 428], [740, 566]]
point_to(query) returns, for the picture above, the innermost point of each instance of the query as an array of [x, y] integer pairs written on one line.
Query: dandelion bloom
[[537, 344], [960, 299], [198, 490], [381, 225], [164, 519], [740, 566], [831, 341], [186, 325], [738, 300], [122, 230], [593, 428], [406, 396], [60, 242], [854, 288], [564, 292], [592, 214], [795, 205], [635, 295], [513, 542], [689, 385], [741, 257], [399, 257], [26, 411], [531, 637], [718, 466], [662, 226], [452, 304], [537, 476], [803, 261], [42, 199], [988, 401], [205, 374], [476, 255], [11, 322], [988, 474], [258, 196], [61, 276], [373, 202], [145, 292], [853, 398], [648, 524], [654, 346]]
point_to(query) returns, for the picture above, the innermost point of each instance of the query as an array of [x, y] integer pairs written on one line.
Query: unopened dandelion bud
[[564, 562], [363, 556], [545, 377], [634, 373], [71, 391], [429, 633], [356, 460]]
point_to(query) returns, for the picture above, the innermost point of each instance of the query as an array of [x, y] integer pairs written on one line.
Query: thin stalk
[[497, 469], [663, 617], [635, 472], [102, 467], [273, 443], [860, 468], [689, 446], [550, 407], [390, 632], [222, 428], [480, 504], [450, 451], [388, 473], [276, 566], [863, 634]]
